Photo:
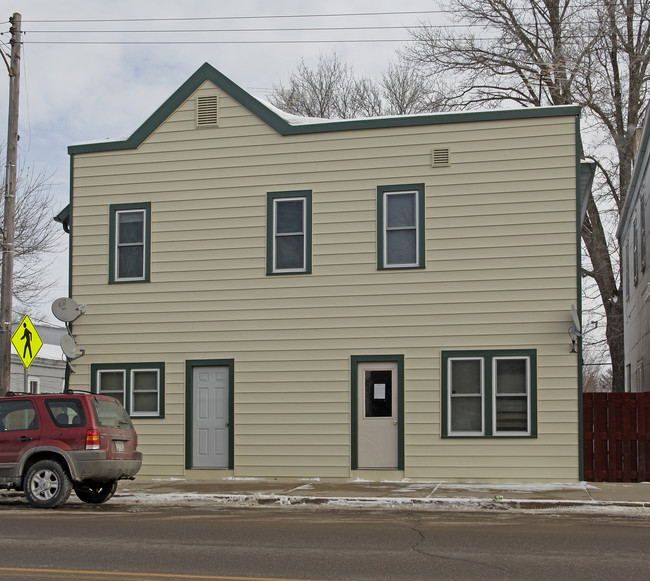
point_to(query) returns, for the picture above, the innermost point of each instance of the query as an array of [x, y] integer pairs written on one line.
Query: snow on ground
[[462, 504]]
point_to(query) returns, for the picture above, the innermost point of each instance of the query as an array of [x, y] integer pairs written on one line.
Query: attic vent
[[207, 110], [440, 157]]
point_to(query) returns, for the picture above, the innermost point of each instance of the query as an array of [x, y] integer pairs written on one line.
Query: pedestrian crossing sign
[[26, 341]]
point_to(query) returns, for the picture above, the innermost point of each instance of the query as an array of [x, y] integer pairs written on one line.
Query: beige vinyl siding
[[500, 273]]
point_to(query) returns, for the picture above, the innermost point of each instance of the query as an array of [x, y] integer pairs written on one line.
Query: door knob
[[395, 423]]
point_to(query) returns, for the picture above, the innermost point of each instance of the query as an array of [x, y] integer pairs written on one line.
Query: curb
[[353, 502], [446, 503], [498, 503]]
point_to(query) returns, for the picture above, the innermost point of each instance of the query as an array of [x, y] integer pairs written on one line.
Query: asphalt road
[[133, 543]]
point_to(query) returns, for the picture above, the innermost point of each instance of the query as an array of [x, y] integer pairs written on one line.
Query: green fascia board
[[63, 217], [208, 73], [587, 174]]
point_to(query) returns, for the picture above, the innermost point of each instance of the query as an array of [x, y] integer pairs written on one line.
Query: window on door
[[489, 393], [130, 234], [400, 226], [289, 232], [378, 393]]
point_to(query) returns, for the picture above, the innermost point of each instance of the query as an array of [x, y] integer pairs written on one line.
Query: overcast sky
[[92, 69]]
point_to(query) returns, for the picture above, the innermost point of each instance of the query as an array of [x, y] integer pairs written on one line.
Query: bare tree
[[332, 91], [326, 91], [596, 378], [557, 52], [36, 238], [407, 91]]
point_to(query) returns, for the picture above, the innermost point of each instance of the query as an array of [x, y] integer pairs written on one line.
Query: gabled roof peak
[[287, 124]]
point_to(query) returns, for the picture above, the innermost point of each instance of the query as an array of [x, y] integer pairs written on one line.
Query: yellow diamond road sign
[[26, 341]]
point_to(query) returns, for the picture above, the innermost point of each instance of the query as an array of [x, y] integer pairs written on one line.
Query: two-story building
[[273, 296]]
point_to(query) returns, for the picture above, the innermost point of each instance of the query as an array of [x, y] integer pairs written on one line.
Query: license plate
[[119, 445]]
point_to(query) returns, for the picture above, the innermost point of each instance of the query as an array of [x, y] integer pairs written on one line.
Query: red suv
[[53, 443]]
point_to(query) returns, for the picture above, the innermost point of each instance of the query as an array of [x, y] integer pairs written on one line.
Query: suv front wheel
[[95, 492], [47, 484]]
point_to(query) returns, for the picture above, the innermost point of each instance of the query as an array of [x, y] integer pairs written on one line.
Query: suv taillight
[[92, 440]]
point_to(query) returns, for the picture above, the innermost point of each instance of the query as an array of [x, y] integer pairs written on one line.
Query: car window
[[17, 415], [66, 413], [111, 414]]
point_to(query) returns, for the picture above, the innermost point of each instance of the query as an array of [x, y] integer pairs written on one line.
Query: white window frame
[[635, 250], [111, 392], [143, 244], [489, 362], [451, 396], [277, 235], [137, 414], [642, 234], [495, 396], [387, 229], [36, 381], [127, 372]]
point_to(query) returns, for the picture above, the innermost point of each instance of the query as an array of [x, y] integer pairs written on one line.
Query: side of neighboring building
[[633, 240]]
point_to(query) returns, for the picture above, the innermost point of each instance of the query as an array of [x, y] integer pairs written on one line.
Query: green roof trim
[[64, 218], [208, 73]]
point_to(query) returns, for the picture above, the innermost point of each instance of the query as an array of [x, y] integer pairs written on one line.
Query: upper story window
[[130, 234], [400, 226], [635, 251], [626, 257], [288, 232], [642, 226]]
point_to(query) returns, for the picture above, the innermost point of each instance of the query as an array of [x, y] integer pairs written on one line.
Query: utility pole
[[6, 284]]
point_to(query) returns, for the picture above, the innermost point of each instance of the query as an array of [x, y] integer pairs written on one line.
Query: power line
[[301, 29], [178, 42], [261, 17]]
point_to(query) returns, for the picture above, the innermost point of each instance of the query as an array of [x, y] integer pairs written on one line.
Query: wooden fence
[[616, 430]]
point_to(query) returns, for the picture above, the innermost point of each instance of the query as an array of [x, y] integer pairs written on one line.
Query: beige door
[[378, 415]]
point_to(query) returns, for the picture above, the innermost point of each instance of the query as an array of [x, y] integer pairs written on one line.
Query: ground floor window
[[138, 386], [489, 393], [34, 385]]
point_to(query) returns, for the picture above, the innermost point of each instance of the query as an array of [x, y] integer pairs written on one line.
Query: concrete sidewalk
[[406, 493]]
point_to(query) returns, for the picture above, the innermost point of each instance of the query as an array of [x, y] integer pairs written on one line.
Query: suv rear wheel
[[95, 492], [47, 484]]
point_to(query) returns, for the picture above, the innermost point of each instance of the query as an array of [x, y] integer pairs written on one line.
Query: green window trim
[[115, 211], [487, 391], [355, 360], [274, 238], [386, 230], [127, 394], [189, 406]]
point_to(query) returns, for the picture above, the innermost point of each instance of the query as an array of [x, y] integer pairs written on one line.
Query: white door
[[378, 415], [210, 421]]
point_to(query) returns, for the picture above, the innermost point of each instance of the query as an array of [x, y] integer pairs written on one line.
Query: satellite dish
[[67, 310], [69, 347], [576, 320]]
